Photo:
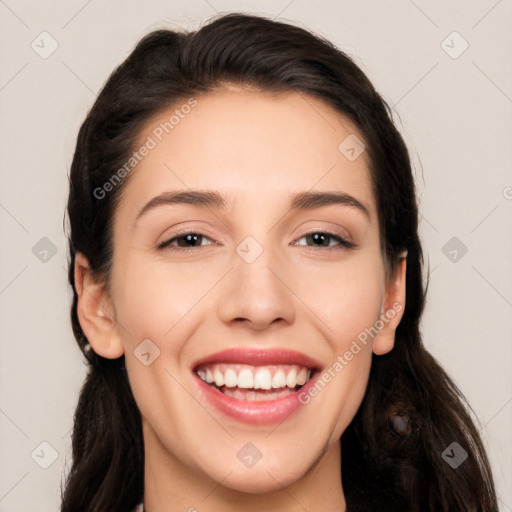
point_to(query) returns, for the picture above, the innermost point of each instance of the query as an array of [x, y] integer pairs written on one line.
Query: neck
[[170, 486]]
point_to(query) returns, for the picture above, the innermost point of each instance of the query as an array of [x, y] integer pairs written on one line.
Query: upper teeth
[[255, 377]]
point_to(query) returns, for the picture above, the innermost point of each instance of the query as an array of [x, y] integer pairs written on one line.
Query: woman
[[247, 279]]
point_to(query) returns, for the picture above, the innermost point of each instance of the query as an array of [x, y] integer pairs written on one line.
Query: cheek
[[153, 297], [346, 297]]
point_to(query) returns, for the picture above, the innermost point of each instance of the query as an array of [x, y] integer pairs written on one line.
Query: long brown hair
[[392, 452]]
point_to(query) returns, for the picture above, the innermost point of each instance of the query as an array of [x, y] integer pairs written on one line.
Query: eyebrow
[[216, 200]]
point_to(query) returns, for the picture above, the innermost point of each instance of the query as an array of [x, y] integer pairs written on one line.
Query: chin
[[262, 481]]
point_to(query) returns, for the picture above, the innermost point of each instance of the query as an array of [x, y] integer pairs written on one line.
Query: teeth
[[279, 380], [245, 379], [263, 379], [230, 378], [218, 377], [240, 376], [291, 378], [302, 377]]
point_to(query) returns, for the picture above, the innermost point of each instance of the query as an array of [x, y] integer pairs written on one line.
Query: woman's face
[[255, 293]]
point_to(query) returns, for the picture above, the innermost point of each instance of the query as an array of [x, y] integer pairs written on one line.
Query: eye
[[322, 238], [186, 241]]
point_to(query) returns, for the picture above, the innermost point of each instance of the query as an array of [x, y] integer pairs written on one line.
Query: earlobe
[[392, 309], [96, 312]]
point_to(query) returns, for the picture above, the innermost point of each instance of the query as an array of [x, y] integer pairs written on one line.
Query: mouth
[[255, 386], [255, 383]]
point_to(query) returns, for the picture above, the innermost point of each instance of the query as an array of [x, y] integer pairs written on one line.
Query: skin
[[257, 149]]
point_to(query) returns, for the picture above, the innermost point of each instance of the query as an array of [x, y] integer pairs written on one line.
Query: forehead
[[253, 146]]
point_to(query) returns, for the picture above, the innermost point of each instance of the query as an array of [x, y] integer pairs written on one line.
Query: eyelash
[[343, 243]]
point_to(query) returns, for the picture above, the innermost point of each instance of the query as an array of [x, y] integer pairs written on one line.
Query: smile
[[255, 386]]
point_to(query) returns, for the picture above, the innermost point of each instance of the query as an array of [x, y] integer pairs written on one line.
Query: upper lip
[[259, 357]]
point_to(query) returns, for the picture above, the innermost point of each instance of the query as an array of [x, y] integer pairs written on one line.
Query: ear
[[392, 310], [96, 312]]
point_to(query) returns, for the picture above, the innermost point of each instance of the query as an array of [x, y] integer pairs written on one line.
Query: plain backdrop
[[444, 67]]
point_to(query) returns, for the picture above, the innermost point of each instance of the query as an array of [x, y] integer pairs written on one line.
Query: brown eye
[[189, 240], [321, 239]]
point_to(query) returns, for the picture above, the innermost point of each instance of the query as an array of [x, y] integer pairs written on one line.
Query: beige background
[[455, 114]]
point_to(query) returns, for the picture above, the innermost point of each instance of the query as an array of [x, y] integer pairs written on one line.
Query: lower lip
[[251, 412]]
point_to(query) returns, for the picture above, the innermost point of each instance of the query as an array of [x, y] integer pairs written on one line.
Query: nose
[[257, 294]]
